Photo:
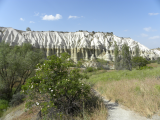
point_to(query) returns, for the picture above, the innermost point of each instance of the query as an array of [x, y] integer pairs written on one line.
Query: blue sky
[[137, 19]]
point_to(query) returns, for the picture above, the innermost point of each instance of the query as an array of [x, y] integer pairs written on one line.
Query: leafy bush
[[139, 61], [158, 60], [28, 29], [90, 69], [17, 99], [145, 67], [3, 91], [89, 105], [3, 106], [62, 86]]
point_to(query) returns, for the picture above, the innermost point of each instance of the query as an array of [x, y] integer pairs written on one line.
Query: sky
[[137, 19]]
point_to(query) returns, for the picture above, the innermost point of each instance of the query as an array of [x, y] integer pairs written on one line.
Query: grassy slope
[[138, 89]]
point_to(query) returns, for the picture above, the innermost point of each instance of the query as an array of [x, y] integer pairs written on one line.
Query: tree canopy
[[139, 61], [28, 29], [16, 65]]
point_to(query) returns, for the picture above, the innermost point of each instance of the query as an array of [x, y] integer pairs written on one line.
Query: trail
[[120, 112]]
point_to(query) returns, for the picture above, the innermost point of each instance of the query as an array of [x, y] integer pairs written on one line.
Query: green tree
[[117, 59], [158, 60], [126, 57], [28, 29], [63, 88], [16, 65], [139, 61], [137, 50]]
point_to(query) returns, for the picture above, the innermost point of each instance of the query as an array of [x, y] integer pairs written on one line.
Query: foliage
[[90, 69], [158, 60], [144, 67], [139, 61], [93, 32], [126, 57], [28, 29], [137, 50], [17, 99], [62, 88], [117, 58], [16, 65], [3, 106]]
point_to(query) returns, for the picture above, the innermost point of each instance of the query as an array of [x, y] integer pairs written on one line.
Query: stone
[[80, 45]]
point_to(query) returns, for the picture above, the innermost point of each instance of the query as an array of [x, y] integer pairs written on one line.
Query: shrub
[[17, 99], [62, 86], [28, 29], [17, 64], [158, 60], [139, 61], [3, 106], [144, 67], [90, 69]]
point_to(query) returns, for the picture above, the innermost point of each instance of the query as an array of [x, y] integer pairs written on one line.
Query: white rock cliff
[[80, 45]]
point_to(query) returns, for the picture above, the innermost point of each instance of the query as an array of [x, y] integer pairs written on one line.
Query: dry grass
[[98, 114], [155, 65], [141, 96]]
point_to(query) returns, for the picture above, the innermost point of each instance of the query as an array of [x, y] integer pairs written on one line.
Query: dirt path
[[120, 112]]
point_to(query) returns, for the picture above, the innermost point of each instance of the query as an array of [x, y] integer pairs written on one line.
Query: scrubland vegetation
[[55, 89], [68, 91]]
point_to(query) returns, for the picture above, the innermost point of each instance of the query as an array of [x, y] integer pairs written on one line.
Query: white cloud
[[36, 13], [153, 13], [147, 29], [72, 17], [51, 17], [144, 35], [21, 19], [125, 30], [31, 22], [154, 37]]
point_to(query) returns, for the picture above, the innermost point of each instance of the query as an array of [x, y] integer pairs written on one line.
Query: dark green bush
[[89, 105], [17, 99], [3, 106], [139, 61], [90, 69], [145, 67], [65, 87], [158, 60]]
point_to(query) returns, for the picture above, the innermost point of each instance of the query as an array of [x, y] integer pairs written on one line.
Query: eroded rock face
[[80, 45]]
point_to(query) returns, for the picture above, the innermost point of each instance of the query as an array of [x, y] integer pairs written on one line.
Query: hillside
[[80, 45]]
